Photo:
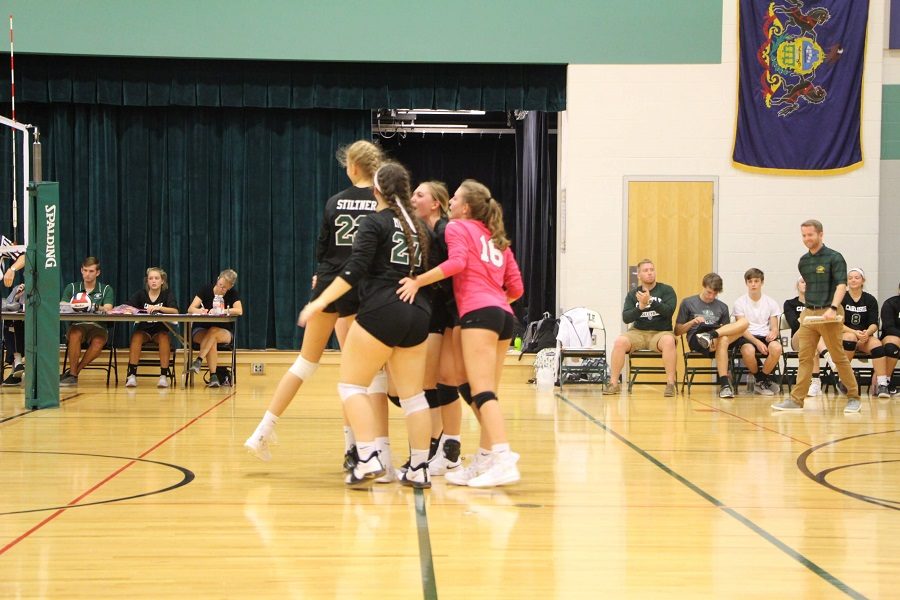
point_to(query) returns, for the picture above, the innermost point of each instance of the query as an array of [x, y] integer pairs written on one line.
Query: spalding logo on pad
[[81, 302]]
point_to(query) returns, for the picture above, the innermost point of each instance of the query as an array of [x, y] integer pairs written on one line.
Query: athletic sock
[[882, 380], [349, 439], [500, 448], [266, 425], [417, 457], [365, 450]]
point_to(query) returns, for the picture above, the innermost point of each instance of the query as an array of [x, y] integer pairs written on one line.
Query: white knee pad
[[415, 404], [379, 383], [345, 390], [303, 369]]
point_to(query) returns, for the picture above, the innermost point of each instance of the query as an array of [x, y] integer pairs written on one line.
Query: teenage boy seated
[[709, 328], [762, 335]]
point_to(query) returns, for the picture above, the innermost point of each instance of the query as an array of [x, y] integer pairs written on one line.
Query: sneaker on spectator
[[131, 381], [894, 391], [365, 471], [670, 390], [762, 388], [882, 391], [815, 388], [68, 380], [772, 386], [704, 339], [19, 370], [725, 391], [788, 404], [853, 406], [163, 381], [213, 381], [195, 366], [502, 471], [612, 389], [11, 379], [258, 446]]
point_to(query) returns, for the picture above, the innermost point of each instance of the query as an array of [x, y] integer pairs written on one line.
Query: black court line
[[800, 558], [31, 410], [821, 477], [429, 584]]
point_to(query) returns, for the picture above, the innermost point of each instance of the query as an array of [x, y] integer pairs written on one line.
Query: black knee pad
[[395, 400], [447, 394], [849, 345], [466, 392], [480, 399], [892, 350], [432, 397], [877, 352]]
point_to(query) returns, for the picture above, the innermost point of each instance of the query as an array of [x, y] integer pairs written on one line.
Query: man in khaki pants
[[825, 272]]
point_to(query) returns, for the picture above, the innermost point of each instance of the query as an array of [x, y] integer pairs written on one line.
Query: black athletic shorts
[[151, 329], [742, 340], [396, 324], [346, 305], [443, 315], [492, 318]]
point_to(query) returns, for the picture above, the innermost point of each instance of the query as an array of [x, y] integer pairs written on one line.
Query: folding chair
[[591, 362], [697, 364], [112, 365]]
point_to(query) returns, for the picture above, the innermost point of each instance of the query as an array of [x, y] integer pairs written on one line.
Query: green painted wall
[[890, 122], [486, 31]]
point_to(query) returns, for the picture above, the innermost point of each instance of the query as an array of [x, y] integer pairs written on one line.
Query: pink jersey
[[482, 275]]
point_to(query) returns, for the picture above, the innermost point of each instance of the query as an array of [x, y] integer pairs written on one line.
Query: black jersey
[[380, 259], [859, 315], [890, 317], [343, 213], [141, 299], [792, 310], [438, 253]]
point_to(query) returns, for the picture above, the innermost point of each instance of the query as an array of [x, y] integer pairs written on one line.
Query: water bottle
[[218, 307]]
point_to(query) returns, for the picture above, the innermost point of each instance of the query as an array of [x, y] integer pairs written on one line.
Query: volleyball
[[81, 302]]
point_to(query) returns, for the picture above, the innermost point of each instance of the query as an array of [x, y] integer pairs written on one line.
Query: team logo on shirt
[[820, 269]]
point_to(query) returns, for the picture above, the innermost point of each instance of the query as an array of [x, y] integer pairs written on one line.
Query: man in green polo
[[825, 272]]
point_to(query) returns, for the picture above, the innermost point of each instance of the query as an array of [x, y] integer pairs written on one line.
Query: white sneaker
[[258, 446], [447, 459], [815, 388], [390, 474], [163, 382], [480, 463], [131, 381], [365, 471], [417, 477], [502, 471]]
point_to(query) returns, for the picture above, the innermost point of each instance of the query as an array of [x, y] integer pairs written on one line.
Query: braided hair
[[392, 181]]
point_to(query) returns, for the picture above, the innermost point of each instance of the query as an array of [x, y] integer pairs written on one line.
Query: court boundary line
[[426, 560], [110, 477], [797, 556], [34, 410]]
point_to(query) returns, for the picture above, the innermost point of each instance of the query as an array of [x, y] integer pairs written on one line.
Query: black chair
[[591, 362], [222, 348], [697, 364], [153, 349], [739, 370], [645, 362], [112, 365]]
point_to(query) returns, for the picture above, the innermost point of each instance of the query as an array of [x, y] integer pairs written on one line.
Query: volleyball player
[[341, 218], [890, 336], [860, 327], [389, 245], [442, 367], [486, 279]]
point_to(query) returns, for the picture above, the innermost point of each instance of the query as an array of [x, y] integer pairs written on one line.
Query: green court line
[[821, 572]]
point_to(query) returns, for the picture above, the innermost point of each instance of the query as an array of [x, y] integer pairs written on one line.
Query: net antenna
[[26, 163]]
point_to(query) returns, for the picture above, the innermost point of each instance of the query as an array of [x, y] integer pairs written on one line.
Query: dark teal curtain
[[201, 165], [196, 190]]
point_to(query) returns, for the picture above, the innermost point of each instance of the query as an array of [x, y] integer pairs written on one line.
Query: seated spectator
[[14, 331], [209, 336], [792, 309], [648, 308], [860, 326], [92, 334], [762, 335], [709, 328], [154, 297], [890, 337]]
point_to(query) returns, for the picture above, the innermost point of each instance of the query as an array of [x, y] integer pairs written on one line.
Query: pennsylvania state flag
[[800, 86]]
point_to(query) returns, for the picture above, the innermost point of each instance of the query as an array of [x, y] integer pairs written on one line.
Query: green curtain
[[196, 190]]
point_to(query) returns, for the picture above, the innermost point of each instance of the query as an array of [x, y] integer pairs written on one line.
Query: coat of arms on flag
[[800, 87]]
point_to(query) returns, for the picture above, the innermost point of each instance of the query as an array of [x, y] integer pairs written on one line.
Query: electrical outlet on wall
[[257, 368]]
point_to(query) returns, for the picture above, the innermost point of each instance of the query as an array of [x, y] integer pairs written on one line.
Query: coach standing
[[825, 272]]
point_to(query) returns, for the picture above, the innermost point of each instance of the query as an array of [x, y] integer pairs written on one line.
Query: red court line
[[112, 475], [749, 422]]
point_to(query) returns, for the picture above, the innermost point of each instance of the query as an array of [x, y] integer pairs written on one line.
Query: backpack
[[540, 334]]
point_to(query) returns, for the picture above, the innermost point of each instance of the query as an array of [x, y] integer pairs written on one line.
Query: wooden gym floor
[[149, 494]]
